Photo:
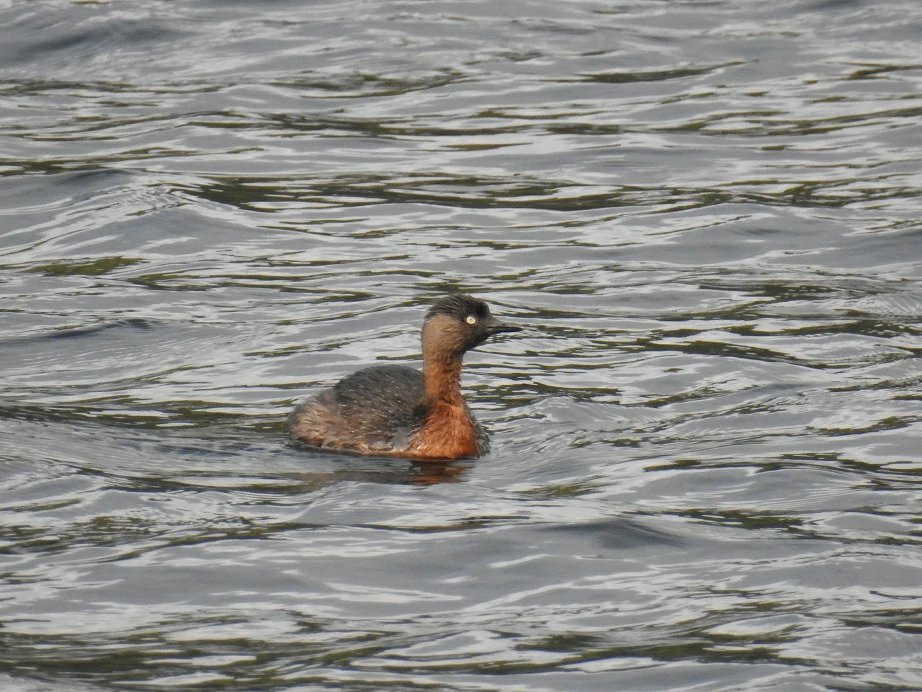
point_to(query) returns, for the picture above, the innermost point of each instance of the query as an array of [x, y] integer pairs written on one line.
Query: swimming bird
[[398, 411]]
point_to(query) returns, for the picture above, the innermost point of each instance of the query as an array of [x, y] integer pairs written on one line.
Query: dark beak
[[497, 327]]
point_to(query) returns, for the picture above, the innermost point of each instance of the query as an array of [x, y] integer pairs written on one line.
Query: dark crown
[[459, 306]]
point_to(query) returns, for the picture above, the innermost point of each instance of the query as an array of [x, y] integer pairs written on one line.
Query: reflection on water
[[705, 464]]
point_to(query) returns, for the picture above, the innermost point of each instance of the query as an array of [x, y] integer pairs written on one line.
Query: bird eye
[[470, 319]]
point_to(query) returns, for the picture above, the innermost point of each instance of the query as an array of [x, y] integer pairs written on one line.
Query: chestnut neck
[[442, 361]]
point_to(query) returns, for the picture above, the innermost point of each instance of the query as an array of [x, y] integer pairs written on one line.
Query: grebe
[[396, 411]]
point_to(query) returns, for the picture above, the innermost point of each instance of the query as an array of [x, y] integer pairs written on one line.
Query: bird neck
[[442, 361], [442, 380]]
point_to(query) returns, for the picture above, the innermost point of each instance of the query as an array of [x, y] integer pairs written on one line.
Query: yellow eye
[[470, 319]]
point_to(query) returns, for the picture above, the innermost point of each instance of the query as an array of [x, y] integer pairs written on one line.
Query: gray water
[[706, 462]]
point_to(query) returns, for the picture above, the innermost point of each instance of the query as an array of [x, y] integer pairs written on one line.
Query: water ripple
[[705, 467]]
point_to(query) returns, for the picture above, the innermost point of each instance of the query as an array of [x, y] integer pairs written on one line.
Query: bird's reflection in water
[[387, 471]]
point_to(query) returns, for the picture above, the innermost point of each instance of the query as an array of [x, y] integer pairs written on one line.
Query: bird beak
[[497, 327]]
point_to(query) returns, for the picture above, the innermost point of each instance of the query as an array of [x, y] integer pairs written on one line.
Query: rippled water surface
[[706, 448]]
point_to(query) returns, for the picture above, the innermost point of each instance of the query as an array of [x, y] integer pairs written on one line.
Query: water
[[705, 469]]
